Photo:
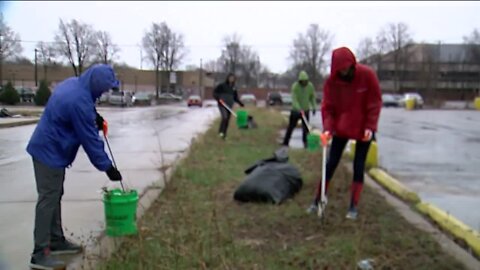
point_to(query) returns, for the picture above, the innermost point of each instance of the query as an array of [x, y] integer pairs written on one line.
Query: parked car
[[26, 94], [142, 98], [286, 98], [248, 99], [416, 96], [169, 97], [390, 100], [275, 98], [104, 98], [194, 100], [122, 98]]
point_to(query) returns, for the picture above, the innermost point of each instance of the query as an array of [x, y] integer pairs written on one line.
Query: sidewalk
[[15, 122]]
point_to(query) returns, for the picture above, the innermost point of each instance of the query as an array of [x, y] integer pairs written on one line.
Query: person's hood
[[228, 76], [342, 58], [303, 76], [98, 79]]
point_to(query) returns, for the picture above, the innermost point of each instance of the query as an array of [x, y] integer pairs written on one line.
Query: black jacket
[[228, 93]]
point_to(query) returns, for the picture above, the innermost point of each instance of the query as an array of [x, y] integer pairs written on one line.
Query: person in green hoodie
[[303, 101]]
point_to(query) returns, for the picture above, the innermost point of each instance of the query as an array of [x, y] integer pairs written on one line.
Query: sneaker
[[65, 247], [312, 209], [221, 135], [44, 261], [352, 213]]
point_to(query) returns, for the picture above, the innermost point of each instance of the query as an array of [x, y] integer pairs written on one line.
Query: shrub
[[9, 95], [43, 94]]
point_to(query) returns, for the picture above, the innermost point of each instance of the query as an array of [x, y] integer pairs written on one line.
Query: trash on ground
[[270, 180], [366, 264]]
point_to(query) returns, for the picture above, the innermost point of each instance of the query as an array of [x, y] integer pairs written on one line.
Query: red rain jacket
[[349, 108]]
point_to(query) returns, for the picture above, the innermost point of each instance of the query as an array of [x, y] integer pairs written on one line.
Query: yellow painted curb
[[452, 225], [393, 185]]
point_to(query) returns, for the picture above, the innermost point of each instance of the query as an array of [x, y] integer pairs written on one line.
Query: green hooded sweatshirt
[[303, 98]]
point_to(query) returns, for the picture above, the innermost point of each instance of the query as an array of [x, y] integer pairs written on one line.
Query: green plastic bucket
[[120, 212], [313, 142], [242, 119]]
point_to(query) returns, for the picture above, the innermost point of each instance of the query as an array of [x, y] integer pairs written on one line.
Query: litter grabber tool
[[228, 108], [323, 198], [304, 119], [243, 119], [105, 131]]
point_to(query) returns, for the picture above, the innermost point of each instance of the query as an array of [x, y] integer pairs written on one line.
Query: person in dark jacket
[[68, 121], [226, 93], [351, 108]]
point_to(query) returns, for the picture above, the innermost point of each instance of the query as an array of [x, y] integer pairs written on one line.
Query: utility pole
[[200, 81], [36, 71], [1, 59]]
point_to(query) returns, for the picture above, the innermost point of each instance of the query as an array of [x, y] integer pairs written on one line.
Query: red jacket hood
[[342, 58]]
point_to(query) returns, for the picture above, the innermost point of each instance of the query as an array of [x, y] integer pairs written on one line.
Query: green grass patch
[[196, 224]]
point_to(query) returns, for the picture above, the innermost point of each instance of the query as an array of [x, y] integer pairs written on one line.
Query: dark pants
[[294, 117], [225, 114], [336, 151], [48, 218]]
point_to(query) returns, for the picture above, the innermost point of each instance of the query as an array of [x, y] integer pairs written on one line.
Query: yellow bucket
[[372, 155], [410, 104], [477, 103]]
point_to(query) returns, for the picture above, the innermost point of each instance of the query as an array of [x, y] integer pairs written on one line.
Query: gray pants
[[48, 219]]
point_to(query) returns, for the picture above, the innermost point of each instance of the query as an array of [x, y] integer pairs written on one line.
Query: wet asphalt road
[[142, 139], [437, 154]]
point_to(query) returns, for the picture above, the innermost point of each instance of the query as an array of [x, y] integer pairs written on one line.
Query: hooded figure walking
[[226, 93], [303, 101], [68, 121], [350, 111]]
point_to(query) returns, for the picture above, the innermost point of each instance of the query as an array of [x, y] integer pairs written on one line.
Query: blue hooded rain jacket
[[68, 121]]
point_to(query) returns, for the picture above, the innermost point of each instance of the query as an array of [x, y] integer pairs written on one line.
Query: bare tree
[[309, 50], [106, 51], [10, 46], [395, 37], [75, 42], [46, 56], [366, 49], [250, 66], [231, 53], [164, 49]]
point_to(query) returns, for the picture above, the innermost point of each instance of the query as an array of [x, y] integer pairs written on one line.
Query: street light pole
[[201, 80], [36, 71]]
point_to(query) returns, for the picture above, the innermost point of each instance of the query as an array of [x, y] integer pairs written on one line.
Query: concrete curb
[[452, 225], [393, 185], [446, 221], [19, 123]]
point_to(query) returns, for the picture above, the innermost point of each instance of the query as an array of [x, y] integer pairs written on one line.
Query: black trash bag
[[270, 180], [5, 113]]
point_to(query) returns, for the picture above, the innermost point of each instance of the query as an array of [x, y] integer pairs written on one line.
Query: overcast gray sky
[[269, 27]]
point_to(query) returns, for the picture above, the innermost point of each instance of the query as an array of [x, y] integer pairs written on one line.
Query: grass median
[[195, 224]]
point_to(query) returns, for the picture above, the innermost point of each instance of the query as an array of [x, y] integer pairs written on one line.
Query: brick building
[[437, 71]]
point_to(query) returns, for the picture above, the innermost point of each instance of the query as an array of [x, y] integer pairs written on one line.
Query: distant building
[[23, 75], [437, 71]]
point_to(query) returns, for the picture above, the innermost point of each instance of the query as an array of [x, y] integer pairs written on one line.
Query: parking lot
[[437, 154]]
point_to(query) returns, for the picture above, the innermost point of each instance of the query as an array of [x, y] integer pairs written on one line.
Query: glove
[[114, 174], [99, 120], [102, 124], [325, 137], [367, 135], [241, 104]]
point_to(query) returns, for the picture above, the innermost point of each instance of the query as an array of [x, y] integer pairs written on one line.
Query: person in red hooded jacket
[[350, 111]]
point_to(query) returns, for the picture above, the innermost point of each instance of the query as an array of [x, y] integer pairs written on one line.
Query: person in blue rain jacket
[[69, 121]]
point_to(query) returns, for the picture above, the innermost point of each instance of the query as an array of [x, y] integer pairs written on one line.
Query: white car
[[416, 96], [121, 98], [169, 97], [248, 99]]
